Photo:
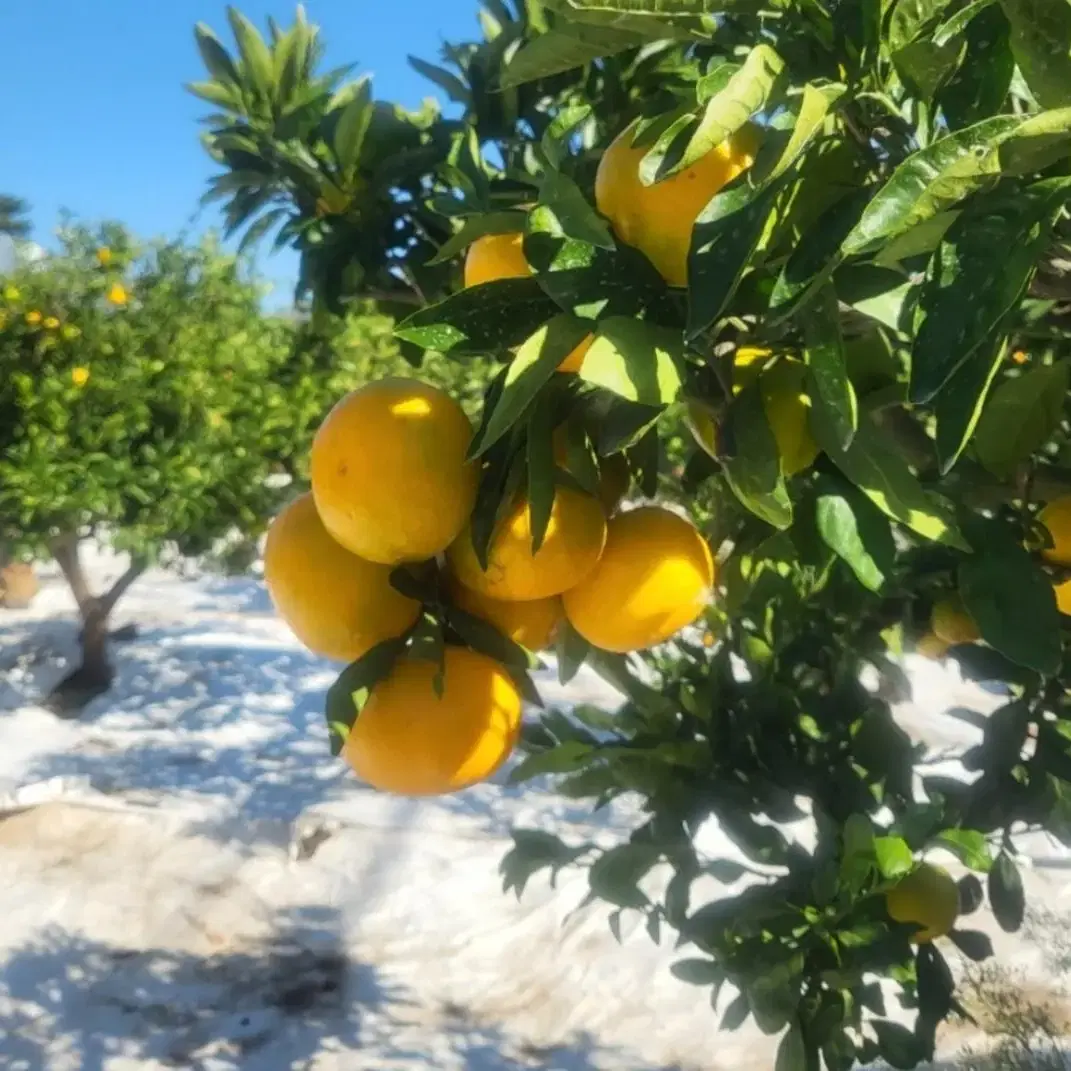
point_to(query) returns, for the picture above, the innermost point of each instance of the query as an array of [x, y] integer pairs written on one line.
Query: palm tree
[[13, 216]]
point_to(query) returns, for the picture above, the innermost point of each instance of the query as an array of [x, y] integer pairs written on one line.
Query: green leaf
[[614, 876], [791, 1052], [959, 405], [850, 526], [1006, 895], [480, 319], [568, 757], [1013, 604], [1021, 416], [974, 944], [482, 636], [563, 49], [969, 846], [831, 389], [925, 67], [535, 363], [350, 691], [449, 83], [216, 58], [1041, 140], [352, 127], [754, 469], [736, 1014], [1041, 43], [724, 240], [635, 359], [979, 87], [932, 180], [541, 469], [814, 107], [257, 63], [958, 22], [576, 218], [746, 93], [477, 227], [878, 469], [968, 292], [894, 857]]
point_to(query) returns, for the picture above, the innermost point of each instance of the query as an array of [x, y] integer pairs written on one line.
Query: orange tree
[[139, 404], [831, 241]]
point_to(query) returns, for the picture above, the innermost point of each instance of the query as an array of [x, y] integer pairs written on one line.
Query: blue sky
[[96, 119]]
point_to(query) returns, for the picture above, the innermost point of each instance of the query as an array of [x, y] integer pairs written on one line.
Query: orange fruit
[[1056, 516], [571, 546], [655, 577], [932, 646], [531, 622], [928, 896], [337, 604], [952, 624], [389, 473], [1063, 596], [410, 741], [658, 219], [501, 256]]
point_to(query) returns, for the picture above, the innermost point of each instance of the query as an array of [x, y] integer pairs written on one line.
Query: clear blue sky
[[96, 119]]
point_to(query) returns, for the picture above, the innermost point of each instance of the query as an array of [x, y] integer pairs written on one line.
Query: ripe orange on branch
[[928, 896], [337, 604], [655, 577], [389, 473], [410, 741], [529, 622], [571, 546]]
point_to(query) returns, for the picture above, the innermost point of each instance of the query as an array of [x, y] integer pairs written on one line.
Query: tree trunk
[[95, 674]]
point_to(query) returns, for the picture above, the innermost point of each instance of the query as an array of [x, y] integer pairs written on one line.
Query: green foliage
[[902, 232]]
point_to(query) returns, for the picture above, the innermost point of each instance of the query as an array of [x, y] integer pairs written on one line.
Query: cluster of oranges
[[392, 482]]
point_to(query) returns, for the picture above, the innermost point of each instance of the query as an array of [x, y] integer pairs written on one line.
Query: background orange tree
[[902, 232]]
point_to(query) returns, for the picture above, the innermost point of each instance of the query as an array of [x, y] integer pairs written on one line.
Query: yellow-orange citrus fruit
[[787, 409], [658, 219], [1063, 596], [411, 742], [928, 896], [501, 256], [571, 546], [951, 622], [614, 480], [337, 604], [531, 622], [496, 256], [654, 578], [1056, 516], [932, 646], [748, 363], [389, 473]]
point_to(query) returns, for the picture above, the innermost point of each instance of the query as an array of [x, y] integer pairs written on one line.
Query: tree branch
[[65, 551], [107, 602]]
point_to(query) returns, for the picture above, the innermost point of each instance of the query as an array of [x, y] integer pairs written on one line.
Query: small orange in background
[[410, 741], [1019, 357], [51, 323], [79, 376], [116, 294], [655, 577], [33, 317], [932, 646], [928, 896], [104, 256], [952, 624], [1056, 517]]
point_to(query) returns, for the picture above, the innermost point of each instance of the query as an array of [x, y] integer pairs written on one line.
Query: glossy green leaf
[[1006, 895], [352, 127], [635, 359], [563, 49], [480, 319], [980, 85], [754, 469], [969, 846], [960, 402], [958, 22], [1021, 415], [1041, 42], [932, 180], [747, 91], [724, 241], [1013, 604], [477, 227], [851, 527], [217, 59], [968, 292], [878, 469], [815, 105], [257, 66], [576, 218], [831, 390], [536, 361], [449, 83], [893, 856]]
